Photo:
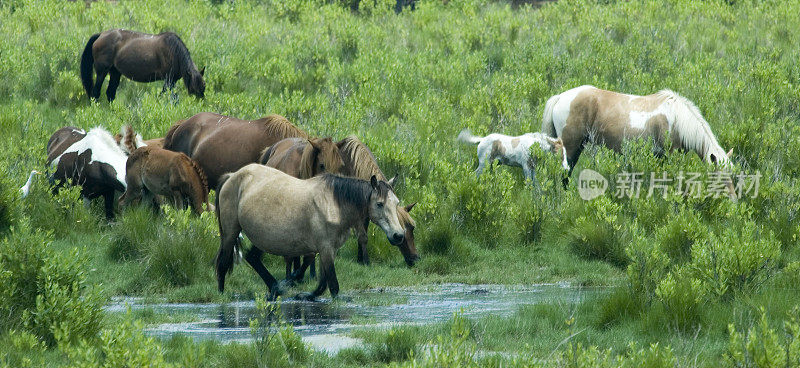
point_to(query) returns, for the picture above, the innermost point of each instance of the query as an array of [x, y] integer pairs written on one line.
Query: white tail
[[548, 126], [467, 137]]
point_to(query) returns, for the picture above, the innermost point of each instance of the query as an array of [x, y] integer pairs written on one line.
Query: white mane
[[104, 150], [692, 129]]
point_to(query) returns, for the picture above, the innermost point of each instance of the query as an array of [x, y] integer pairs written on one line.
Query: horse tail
[[548, 125], [467, 137], [87, 63], [229, 249], [168, 144]]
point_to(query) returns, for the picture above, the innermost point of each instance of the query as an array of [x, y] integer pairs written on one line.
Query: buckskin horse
[[291, 217]]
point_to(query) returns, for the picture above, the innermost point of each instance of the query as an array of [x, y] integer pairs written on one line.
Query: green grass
[[681, 269]]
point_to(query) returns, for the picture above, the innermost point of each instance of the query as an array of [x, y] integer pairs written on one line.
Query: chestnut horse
[[141, 57], [291, 217], [223, 144], [155, 171], [587, 113], [303, 158]]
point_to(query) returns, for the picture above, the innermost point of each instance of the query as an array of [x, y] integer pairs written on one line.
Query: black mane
[[352, 191], [180, 54]]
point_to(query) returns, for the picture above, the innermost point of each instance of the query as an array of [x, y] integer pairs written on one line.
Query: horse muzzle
[[412, 259], [396, 238]]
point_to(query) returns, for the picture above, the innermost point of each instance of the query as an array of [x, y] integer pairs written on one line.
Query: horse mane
[[307, 161], [130, 140], [278, 126], [201, 175], [692, 129], [359, 161], [352, 191], [180, 54], [405, 217]]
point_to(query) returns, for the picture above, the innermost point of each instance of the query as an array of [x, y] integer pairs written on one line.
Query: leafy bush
[[276, 345], [45, 293], [398, 345]]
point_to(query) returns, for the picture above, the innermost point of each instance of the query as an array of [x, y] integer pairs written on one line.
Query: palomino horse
[[359, 162], [512, 151], [93, 160], [141, 57], [588, 113], [291, 217], [222, 144], [303, 158], [156, 171]]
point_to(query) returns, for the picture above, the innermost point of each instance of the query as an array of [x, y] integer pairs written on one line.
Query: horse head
[[195, 83], [407, 247], [383, 210], [326, 156]]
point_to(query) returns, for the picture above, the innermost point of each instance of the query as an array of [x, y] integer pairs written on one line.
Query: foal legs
[[108, 196], [253, 257], [113, 83]]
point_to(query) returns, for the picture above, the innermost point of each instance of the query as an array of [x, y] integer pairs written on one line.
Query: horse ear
[[392, 181], [729, 153], [374, 182], [313, 143], [410, 206], [203, 71]]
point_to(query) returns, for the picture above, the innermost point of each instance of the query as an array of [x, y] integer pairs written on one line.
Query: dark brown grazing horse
[[93, 160], [141, 57], [223, 144], [154, 171], [303, 158]]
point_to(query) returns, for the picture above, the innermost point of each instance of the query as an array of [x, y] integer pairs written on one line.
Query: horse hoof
[[286, 283], [308, 297]]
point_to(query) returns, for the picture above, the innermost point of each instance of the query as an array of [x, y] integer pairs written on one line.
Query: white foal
[[512, 151]]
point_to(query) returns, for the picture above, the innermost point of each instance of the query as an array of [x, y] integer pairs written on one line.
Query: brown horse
[[587, 113], [303, 158], [156, 171], [291, 217], [141, 57], [222, 144]]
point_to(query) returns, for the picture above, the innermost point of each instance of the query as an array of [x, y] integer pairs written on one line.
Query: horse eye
[[322, 167], [380, 204]]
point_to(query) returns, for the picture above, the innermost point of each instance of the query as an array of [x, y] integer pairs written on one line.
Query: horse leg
[[530, 175], [328, 271], [573, 139], [289, 279], [108, 196], [101, 77], [481, 165], [253, 257], [113, 83], [311, 262], [361, 232]]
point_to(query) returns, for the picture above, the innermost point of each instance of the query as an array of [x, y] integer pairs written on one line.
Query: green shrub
[[762, 346], [600, 233], [398, 345], [44, 292], [276, 343]]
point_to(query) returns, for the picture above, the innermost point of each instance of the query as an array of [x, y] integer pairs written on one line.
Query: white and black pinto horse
[[94, 160], [512, 151]]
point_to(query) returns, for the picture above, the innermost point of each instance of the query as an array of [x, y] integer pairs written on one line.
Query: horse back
[[61, 140]]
